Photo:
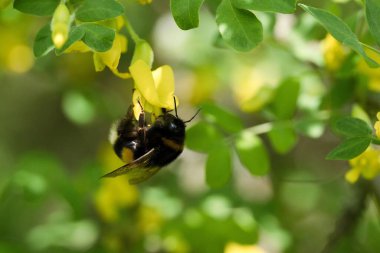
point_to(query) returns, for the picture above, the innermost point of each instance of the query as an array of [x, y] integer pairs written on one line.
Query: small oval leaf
[[97, 37], [349, 148], [282, 6], [43, 43], [96, 10], [202, 137], [185, 13], [285, 100], [372, 10], [252, 153], [283, 138], [36, 7], [349, 126], [239, 28], [218, 166], [221, 117]]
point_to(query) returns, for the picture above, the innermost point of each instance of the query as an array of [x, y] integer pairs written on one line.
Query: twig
[[350, 216]]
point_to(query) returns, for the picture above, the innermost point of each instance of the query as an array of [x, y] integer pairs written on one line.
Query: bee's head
[[170, 125]]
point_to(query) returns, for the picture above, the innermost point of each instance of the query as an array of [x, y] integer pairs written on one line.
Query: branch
[[350, 216]]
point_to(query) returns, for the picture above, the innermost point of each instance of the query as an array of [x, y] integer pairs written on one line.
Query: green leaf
[[36, 7], [311, 126], [76, 34], [360, 113], [339, 30], [239, 28], [283, 6], [283, 138], [203, 137], [43, 43], [252, 153], [218, 166], [341, 93], [221, 117], [350, 148], [350, 127], [372, 10], [96, 10], [185, 13], [97, 37], [285, 100]]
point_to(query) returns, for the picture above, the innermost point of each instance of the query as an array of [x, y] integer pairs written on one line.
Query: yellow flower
[[377, 125], [116, 194], [372, 73], [366, 164], [20, 58], [333, 53], [111, 57], [154, 89], [149, 220], [253, 88], [233, 247]]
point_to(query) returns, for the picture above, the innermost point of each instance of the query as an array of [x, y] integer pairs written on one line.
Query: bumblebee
[[147, 148]]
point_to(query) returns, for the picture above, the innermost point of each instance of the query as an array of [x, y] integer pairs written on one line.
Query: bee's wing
[[137, 170], [142, 174]]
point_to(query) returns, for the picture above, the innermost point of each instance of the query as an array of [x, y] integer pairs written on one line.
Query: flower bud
[[60, 25], [143, 52]]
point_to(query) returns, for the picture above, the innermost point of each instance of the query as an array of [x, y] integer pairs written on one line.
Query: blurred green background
[[55, 116]]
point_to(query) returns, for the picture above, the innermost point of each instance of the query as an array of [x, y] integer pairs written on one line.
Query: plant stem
[[350, 217], [131, 31], [375, 141]]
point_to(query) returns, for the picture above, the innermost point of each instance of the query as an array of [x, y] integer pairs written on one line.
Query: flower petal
[[144, 82], [112, 56], [353, 175], [78, 46], [164, 81]]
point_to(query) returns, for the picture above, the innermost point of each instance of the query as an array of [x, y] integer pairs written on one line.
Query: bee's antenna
[[187, 121], [142, 108], [175, 107]]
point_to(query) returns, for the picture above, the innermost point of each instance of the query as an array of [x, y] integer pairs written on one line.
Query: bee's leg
[[142, 124]]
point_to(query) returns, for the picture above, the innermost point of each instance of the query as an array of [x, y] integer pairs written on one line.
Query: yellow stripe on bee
[[126, 155], [172, 144]]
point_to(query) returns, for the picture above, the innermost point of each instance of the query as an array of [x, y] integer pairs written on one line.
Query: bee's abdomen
[[128, 151], [173, 144]]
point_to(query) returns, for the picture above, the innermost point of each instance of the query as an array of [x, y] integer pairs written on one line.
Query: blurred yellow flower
[[334, 53], [145, 1], [233, 247], [372, 73], [253, 88], [154, 89], [149, 220], [116, 194], [377, 125], [366, 164], [20, 58]]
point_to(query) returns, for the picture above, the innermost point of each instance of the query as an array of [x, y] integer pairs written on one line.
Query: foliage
[[278, 82]]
